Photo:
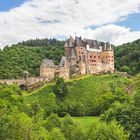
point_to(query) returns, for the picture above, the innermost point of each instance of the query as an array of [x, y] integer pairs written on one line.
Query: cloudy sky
[[117, 21]]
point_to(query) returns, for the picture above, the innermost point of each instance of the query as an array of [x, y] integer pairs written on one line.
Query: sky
[[116, 21]]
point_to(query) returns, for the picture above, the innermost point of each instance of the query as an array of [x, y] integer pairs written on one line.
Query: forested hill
[[127, 57], [27, 55], [42, 42]]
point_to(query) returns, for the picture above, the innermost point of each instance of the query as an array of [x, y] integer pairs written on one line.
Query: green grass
[[81, 87], [83, 93], [86, 121]]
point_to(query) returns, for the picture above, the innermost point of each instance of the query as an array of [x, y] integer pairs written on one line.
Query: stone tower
[[108, 57]]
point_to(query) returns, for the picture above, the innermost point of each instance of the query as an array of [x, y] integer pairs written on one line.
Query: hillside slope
[[17, 58], [83, 94]]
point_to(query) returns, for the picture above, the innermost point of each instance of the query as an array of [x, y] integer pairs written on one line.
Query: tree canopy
[[127, 57]]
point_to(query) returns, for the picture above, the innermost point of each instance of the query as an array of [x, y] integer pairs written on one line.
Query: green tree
[[18, 126], [53, 121], [127, 57], [56, 134], [136, 99], [127, 115], [106, 100], [125, 69], [60, 88], [51, 104], [103, 131], [72, 130]]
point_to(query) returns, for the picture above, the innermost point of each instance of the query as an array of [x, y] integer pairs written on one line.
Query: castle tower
[[70, 48], [107, 56], [47, 69]]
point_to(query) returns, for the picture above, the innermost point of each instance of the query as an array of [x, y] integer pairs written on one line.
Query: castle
[[82, 56]]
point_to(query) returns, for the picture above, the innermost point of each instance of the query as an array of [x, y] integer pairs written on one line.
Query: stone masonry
[[82, 56]]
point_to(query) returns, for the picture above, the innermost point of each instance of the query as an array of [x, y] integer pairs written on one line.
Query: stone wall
[[53, 72], [83, 68], [46, 71], [64, 72], [30, 81]]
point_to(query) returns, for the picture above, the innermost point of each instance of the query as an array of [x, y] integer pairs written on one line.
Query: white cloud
[[41, 18], [115, 34]]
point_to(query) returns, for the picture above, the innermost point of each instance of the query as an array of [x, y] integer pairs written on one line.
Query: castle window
[[90, 56], [94, 56], [98, 56]]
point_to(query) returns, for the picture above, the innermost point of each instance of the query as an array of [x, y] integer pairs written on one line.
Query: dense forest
[[28, 55], [57, 111], [127, 57]]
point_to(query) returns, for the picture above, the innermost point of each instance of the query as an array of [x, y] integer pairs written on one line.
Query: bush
[[53, 121], [60, 89], [106, 100], [127, 115], [103, 131], [71, 130]]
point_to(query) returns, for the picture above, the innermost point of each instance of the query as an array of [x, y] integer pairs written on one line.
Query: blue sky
[[132, 22], [9, 4], [116, 21]]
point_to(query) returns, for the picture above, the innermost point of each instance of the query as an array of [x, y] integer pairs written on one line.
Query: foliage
[[10, 98], [53, 121], [127, 57], [136, 99], [82, 96], [127, 115], [41, 42], [56, 134], [72, 130], [106, 100], [28, 56], [32, 116], [60, 88], [136, 95], [103, 131]]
